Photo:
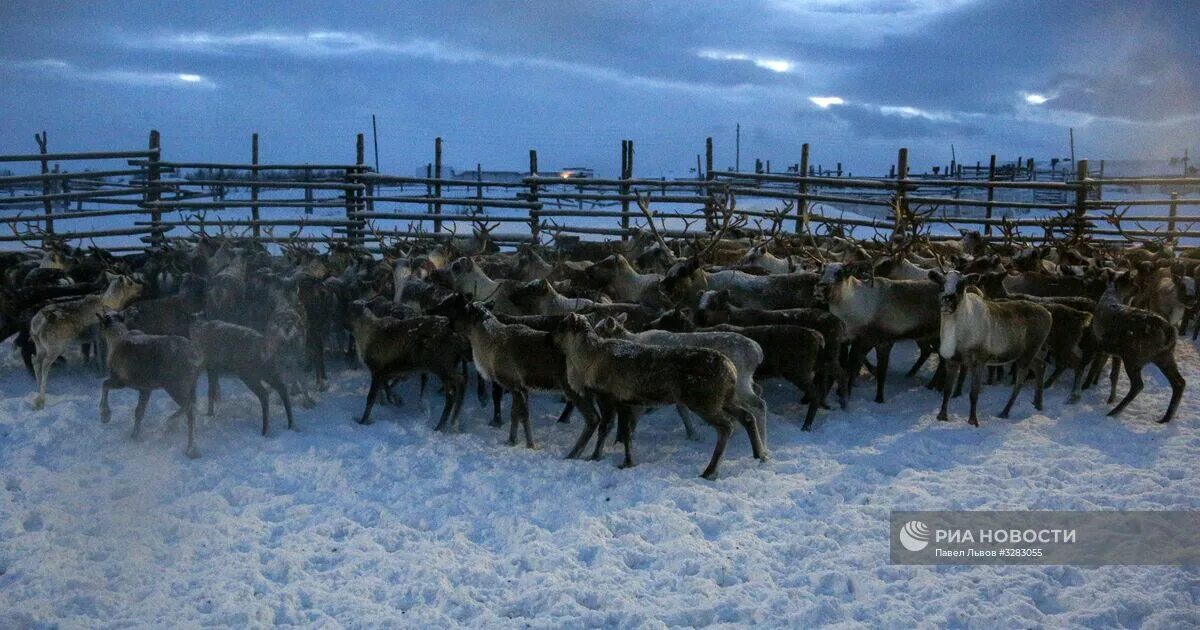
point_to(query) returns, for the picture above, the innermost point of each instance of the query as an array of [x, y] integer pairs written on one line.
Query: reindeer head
[[607, 269], [832, 275], [954, 285], [714, 308], [121, 289], [612, 326], [572, 329], [675, 320], [526, 295]]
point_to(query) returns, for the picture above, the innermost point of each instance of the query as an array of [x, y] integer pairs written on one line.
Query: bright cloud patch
[[825, 102], [1033, 98], [141, 78], [766, 63]]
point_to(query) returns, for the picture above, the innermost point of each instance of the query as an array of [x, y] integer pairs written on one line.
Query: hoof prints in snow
[[394, 523]]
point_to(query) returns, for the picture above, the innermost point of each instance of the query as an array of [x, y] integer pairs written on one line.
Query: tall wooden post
[[1173, 212], [901, 209], [360, 161], [802, 188], [991, 195], [253, 186], [47, 204], [153, 172], [437, 181], [534, 218], [479, 186], [709, 223], [626, 173], [1081, 195]]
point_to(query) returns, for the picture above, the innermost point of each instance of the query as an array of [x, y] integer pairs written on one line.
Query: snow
[[393, 524]]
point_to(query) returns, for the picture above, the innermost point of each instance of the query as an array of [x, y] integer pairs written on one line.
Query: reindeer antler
[[644, 205]]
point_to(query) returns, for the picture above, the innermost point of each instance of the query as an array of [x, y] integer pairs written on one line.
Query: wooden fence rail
[[373, 205]]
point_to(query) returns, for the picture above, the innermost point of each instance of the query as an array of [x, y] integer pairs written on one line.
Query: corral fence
[[350, 202]]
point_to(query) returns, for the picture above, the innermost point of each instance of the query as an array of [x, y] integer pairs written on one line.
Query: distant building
[[572, 172]]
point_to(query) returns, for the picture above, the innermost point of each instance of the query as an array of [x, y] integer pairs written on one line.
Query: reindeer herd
[[616, 328]]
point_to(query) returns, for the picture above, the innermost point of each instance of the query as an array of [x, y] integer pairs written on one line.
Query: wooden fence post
[[1081, 195], [1173, 212], [991, 195], [253, 188], [359, 194], [152, 194], [801, 202], [534, 220], [437, 183], [709, 224], [47, 204], [626, 173], [901, 209], [479, 186]]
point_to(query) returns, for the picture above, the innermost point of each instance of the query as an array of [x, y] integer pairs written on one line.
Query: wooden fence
[[370, 206]]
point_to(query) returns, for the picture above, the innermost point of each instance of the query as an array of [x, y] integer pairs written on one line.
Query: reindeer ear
[[936, 276], [686, 313], [972, 279], [621, 318]]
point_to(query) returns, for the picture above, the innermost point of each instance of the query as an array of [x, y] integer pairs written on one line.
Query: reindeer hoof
[[710, 475], [1003, 415], [363, 421], [973, 422], [495, 423], [39, 403], [625, 465], [1071, 400], [943, 417], [1113, 413], [105, 416], [192, 453], [532, 446], [1164, 421]]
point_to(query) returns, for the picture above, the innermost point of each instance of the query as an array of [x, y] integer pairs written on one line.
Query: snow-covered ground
[[393, 524]]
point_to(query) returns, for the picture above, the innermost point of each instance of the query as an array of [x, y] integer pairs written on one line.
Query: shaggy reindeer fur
[[1135, 337], [150, 362], [629, 375], [394, 347], [55, 326], [244, 353], [976, 332]]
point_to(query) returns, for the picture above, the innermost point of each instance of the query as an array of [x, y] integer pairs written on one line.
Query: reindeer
[[616, 277], [1135, 337], [243, 352], [55, 326], [628, 375], [539, 298], [146, 363], [877, 314], [745, 354], [976, 332], [394, 347]]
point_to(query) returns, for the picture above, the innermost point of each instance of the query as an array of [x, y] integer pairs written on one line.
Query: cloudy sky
[[856, 79]]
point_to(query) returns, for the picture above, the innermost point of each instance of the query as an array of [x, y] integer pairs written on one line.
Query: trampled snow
[[393, 524]]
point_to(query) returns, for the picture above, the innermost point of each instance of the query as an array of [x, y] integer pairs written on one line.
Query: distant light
[[1034, 98], [565, 174], [825, 102], [191, 78]]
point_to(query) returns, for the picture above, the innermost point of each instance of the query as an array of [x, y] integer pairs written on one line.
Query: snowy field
[[393, 524]]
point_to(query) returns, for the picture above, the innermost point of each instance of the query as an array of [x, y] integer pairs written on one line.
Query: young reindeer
[[976, 332], [1135, 337], [628, 375], [394, 347], [517, 358], [56, 325], [243, 352], [150, 362]]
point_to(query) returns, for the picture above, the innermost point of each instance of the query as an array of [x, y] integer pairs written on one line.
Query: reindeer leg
[[1135, 387], [686, 417], [606, 421], [1039, 388], [214, 389], [1113, 378], [958, 384], [586, 405], [514, 416], [372, 394], [952, 369], [625, 421], [1020, 373], [976, 385], [529, 443], [481, 393], [883, 354], [723, 431], [264, 400], [497, 401], [139, 412], [1167, 365], [105, 412], [192, 452], [926, 352], [567, 410], [276, 383]]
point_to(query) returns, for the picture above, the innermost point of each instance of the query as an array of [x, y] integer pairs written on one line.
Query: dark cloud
[[496, 78]]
